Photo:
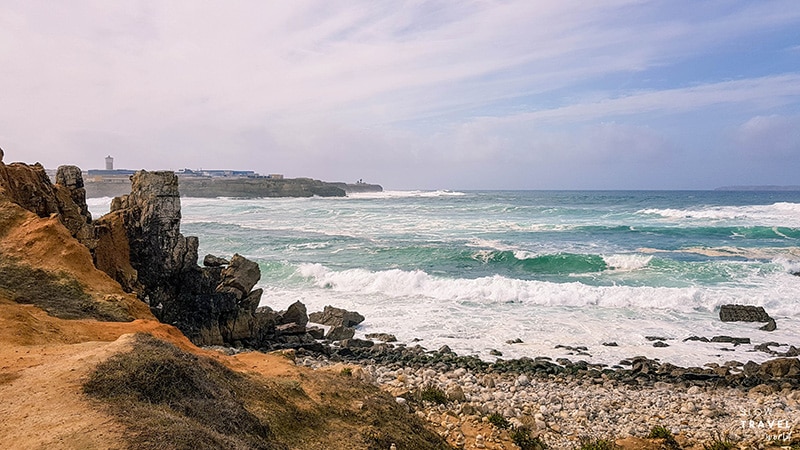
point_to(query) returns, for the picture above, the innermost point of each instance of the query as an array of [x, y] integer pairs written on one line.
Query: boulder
[[383, 337], [215, 261], [336, 317], [743, 313], [316, 332], [296, 313], [339, 333], [290, 328], [781, 368], [770, 326], [239, 277]]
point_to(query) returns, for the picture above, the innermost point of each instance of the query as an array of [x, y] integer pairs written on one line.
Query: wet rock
[[334, 317], [445, 350], [339, 333], [296, 313], [514, 341], [383, 337], [610, 344], [214, 261], [770, 326], [743, 313], [655, 338], [660, 344], [732, 340], [495, 352], [696, 338]]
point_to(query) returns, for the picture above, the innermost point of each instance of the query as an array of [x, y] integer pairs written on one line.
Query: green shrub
[[659, 432], [433, 394], [597, 444], [522, 437], [662, 432], [499, 421], [348, 372]]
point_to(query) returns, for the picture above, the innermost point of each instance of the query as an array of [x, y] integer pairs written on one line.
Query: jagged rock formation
[[211, 305], [29, 187]]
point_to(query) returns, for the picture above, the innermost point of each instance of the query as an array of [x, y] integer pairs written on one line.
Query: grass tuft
[[597, 444], [58, 294], [433, 394], [172, 399], [499, 421], [522, 437], [662, 432]]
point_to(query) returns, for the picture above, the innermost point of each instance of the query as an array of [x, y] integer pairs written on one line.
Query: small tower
[[109, 163]]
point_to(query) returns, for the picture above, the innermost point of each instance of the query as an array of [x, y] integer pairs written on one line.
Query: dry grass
[[56, 293], [167, 398]]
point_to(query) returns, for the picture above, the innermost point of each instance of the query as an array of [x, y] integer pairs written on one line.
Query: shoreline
[[562, 407]]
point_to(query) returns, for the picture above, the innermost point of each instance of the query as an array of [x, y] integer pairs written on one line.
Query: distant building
[[109, 163], [275, 176]]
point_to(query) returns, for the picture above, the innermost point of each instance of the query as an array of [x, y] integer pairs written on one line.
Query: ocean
[[473, 270]]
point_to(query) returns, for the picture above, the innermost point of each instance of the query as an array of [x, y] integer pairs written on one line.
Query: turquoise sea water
[[475, 269]]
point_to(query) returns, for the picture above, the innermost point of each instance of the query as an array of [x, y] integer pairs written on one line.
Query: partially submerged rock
[[743, 313]]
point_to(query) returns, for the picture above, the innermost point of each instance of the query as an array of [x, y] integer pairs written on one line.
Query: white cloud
[[772, 136], [374, 83]]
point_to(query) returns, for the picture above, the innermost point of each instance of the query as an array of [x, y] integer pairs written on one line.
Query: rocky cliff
[[211, 305], [239, 187], [29, 187]]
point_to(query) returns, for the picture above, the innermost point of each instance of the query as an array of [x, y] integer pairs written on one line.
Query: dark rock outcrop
[[211, 305], [339, 333], [336, 317], [743, 313], [215, 261]]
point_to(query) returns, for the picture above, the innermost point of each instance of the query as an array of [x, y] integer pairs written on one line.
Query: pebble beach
[[563, 409]]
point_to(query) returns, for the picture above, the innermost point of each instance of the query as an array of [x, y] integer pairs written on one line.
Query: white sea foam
[[405, 194], [395, 284], [473, 316], [777, 214], [627, 262]]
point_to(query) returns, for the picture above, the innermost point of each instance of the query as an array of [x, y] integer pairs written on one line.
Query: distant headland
[[765, 188], [111, 182]]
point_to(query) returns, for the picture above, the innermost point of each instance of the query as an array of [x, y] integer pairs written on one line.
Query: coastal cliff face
[[240, 187], [29, 187], [211, 305]]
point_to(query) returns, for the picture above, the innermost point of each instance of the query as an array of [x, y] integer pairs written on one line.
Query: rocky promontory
[[239, 187]]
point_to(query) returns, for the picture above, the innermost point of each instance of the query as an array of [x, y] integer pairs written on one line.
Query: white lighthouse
[[109, 163]]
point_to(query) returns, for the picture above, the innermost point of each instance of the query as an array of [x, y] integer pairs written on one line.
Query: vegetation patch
[[432, 394], [522, 437], [58, 294], [167, 398], [597, 444], [662, 432], [499, 421]]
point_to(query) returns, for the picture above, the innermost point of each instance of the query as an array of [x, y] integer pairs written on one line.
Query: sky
[[461, 94]]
